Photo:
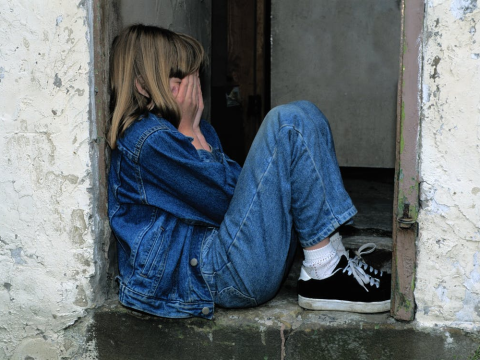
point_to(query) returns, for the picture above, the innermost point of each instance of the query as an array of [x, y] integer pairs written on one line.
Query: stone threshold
[[279, 329]]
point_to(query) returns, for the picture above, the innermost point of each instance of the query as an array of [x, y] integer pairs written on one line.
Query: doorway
[[345, 59], [242, 72]]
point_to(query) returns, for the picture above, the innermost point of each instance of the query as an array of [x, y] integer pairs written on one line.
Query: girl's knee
[[311, 110], [301, 114]]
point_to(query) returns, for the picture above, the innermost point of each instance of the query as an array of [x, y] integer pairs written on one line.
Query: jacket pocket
[[154, 257]]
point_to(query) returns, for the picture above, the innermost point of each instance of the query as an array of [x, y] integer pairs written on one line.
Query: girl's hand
[[188, 100], [198, 116]]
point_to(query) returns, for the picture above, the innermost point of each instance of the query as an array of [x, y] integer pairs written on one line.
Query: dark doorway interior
[[371, 190], [240, 72]]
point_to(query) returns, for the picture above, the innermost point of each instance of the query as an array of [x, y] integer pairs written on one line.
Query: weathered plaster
[[46, 226], [448, 272], [47, 178]]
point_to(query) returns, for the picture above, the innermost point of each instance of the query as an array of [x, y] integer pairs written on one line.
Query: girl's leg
[[290, 181]]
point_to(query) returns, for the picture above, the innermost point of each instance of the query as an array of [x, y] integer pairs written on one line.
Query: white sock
[[336, 241], [320, 263]]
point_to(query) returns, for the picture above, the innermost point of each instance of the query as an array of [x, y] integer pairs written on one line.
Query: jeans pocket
[[230, 297]]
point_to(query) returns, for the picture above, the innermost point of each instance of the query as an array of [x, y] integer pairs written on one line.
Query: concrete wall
[[48, 262], [51, 264], [344, 57], [448, 273]]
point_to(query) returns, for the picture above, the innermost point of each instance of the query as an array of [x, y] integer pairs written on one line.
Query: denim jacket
[[165, 198]]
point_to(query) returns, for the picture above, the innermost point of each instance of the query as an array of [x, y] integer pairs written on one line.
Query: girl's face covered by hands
[[193, 80], [188, 95], [175, 85]]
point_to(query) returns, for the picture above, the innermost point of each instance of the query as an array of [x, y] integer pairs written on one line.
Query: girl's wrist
[[203, 141], [195, 133]]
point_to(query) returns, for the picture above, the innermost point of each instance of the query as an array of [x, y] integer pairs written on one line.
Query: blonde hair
[[150, 55]]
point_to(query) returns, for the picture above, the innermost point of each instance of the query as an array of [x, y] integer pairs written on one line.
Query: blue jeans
[[290, 188]]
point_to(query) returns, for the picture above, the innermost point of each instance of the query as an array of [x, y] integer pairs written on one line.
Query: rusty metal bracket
[[406, 221]]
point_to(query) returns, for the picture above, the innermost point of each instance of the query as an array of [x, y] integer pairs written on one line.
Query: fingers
[[182, 91], [188, 99], [200, 105], [200, 96], [188, 89], [194, 93]]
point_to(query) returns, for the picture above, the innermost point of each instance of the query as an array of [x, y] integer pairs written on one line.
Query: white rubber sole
[[340, 305]]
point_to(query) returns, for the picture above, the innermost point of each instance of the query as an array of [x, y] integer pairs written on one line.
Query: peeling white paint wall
[[46, 235], [448, 273], [46, 218]]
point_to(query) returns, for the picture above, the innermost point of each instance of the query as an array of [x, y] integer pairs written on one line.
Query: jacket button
[[205, 311], [194, 262]]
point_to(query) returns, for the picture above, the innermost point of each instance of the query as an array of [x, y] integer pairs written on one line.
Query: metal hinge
[[406, 222]]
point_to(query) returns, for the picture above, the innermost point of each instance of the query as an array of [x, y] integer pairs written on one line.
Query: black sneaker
[[349, 288], [356, 256]]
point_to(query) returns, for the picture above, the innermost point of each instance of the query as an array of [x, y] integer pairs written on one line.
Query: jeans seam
[[313, 241], [253, 199], [316, 169]]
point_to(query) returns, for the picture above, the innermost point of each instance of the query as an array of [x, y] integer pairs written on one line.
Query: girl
[[193, 228]]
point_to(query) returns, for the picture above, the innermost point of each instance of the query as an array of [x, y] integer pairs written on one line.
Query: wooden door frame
[[105, 26], [406, 196]]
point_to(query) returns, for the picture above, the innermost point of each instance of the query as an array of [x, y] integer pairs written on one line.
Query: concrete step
[[279, 329], [381, 242], [276, 330]]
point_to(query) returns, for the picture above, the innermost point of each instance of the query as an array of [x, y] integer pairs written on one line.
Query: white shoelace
[[363, 250], [359, 274]]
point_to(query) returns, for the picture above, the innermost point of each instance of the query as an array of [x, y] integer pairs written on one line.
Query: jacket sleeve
[[192, 185]]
